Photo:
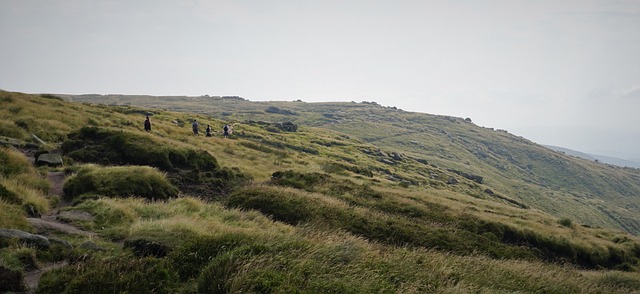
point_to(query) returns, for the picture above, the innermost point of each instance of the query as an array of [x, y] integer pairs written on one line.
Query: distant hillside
[[564, 186], [600, 158]]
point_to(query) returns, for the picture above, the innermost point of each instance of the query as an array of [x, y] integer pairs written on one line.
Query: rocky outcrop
[[91, 246], [276, 110], [475, 178], [286, 126], [6, 235], [49, 159], [391, 158]]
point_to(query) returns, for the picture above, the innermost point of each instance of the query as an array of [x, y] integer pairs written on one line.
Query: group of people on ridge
[[226, 130]]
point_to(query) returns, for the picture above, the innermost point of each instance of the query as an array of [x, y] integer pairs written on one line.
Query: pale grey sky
[[563, 73]]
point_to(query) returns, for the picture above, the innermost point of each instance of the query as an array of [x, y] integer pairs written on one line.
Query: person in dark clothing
[[208, 131], [194, 125], [225, 130], [147, 125]]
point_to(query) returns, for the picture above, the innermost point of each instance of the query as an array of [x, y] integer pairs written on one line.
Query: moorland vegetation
[[316, 210]]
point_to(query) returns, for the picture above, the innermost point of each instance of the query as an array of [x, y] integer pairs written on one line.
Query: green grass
[[120, 181], [327, 211], [512, 166]]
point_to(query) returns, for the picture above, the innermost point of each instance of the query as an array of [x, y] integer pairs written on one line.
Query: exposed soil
[[49, 222], [32, 278]]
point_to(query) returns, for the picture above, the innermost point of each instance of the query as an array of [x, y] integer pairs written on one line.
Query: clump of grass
[[13, 162], [566, 222], [13, 217], [120, 181], [19, 257]]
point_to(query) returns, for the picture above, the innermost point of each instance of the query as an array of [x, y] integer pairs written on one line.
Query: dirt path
[[57, 183], [43, 225], [49, 222], [32, 278]]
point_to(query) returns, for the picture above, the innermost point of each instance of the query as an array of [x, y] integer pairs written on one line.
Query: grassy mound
[[120, 181], [192, 171], [22, 187]]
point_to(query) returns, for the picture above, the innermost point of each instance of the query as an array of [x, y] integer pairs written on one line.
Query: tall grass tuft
[[120, 181]]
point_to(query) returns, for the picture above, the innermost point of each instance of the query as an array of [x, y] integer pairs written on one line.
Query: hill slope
[[273, 211], [591, 193]]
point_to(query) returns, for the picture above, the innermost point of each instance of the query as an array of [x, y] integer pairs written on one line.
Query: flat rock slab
[[22, 236], [43, 225], [49, 159], [74, 215]]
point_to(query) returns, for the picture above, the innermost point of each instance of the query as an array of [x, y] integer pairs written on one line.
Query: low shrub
[[565, 222], [120, 181]]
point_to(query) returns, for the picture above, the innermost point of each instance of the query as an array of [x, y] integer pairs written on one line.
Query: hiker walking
[[194, 125], [225, 130], [208, 131], [147, 124]]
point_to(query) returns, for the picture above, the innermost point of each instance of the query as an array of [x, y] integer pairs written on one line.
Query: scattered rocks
[[475, 178], [423, 161], [286, 126], [22, 236], [276, 110], [90, 245], [387, 161], [396, 156], [488, 191], [452, 181], [64, 243], [74, 215], [43, 225]]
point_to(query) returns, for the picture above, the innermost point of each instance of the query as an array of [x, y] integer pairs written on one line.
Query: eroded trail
[[32, 278], [51, 222]]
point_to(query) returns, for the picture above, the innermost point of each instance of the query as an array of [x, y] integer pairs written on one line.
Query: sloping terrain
[[275, 210], [588, 192]]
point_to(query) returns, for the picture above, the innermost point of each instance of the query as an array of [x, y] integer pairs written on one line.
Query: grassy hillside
[[587, 192], [317, 210]]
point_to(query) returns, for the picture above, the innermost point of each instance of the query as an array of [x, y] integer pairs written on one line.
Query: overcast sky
[[563, 73]]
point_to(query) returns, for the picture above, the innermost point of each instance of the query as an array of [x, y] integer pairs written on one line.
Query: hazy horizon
[[562, 73]]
